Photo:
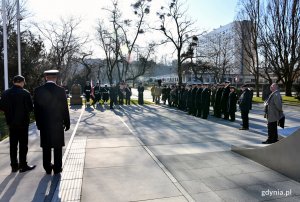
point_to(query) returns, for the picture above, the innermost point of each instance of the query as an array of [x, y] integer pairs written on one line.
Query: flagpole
[[5, 44], [19, 18]]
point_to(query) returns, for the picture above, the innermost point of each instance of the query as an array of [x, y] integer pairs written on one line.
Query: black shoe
[[242, 128], [26, 168], [269, 142]]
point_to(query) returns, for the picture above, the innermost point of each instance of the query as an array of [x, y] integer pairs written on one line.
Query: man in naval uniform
[[52, 119]]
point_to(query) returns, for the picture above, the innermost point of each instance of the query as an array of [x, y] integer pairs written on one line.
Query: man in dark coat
[[217, 106], [105, 94], [97, 93], [127, 94], [198, 101], [194, 92], [140, 94], [190, 100], [205, 100], [17, 104], [224, 100], [113, 96], [52, 118], [245, 103], [232, 103]]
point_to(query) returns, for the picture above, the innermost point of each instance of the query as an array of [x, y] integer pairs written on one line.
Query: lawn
[[3, 127], [285, 99]]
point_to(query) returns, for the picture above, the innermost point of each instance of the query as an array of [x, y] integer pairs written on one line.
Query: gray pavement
[[150, 153]]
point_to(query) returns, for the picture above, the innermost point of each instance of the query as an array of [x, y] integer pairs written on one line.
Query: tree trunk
[[257, 85], [179, 73], [288, 88]]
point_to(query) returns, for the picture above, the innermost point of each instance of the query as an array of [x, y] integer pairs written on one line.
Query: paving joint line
[[159, 163]]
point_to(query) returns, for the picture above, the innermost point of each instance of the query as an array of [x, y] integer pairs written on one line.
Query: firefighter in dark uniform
[[198, 101], [17, 104], [205, 100], [87, 91], [141, 94]]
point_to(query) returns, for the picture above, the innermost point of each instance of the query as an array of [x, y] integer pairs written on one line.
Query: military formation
[[116, 94], [196, 99]]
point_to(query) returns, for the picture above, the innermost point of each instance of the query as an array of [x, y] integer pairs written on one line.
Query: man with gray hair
[[273, 113]]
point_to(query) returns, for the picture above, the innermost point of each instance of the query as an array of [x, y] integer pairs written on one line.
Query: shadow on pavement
[[41, 193], [10, 192]]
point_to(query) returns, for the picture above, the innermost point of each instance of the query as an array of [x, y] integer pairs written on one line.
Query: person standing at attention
[[245, 103], [17, 104], [141, 94], [52, 119], [273, 113]]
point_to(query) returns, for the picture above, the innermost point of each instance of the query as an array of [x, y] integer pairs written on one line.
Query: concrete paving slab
[[245, 179], [122, 156], [171, 199], [4, 146], [195, 186], [269, 176], [237, 194], [34, 185], [130, 183], [218, 183], [112, 142], [189, 148], [207, 196]]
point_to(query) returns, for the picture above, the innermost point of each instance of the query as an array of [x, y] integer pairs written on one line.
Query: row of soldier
[[116, 94], [196, 99]]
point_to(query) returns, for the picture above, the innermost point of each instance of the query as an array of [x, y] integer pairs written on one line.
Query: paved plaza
[[151, 153]]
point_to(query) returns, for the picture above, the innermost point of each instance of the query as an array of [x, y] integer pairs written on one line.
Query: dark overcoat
[[17, 104], [245, 100], [51, 113]]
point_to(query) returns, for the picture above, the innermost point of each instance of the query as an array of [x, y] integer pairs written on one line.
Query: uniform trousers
[[18, 135], [57, 158], [245, 118], [272, 131]]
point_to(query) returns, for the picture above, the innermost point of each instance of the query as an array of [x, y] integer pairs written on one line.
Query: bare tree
[[88, 66], [130, 34], [217, 52], [119, 39], [281, 38], [65, 45], [143, 65], [177, 28], [247, 29]]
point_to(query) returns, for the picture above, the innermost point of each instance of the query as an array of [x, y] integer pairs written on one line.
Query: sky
[[208, 14]]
